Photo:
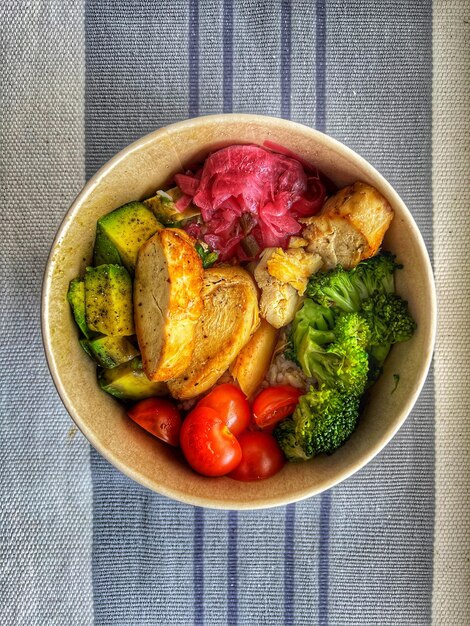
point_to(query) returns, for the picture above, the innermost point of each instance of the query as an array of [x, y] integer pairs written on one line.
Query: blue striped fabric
[[362, 553], [198, 569], [378, 101]]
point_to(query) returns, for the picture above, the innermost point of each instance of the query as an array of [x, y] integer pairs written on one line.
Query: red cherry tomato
[[208, 445], [158, 417], [274, 404], [231, 405], [261, 457]]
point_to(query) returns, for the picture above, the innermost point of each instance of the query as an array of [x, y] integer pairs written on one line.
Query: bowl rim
[[134, 474]]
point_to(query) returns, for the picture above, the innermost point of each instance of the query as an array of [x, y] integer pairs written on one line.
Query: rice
[[285, 372], [282, 371]]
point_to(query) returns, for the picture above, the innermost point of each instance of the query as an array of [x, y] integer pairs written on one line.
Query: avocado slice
[[128, 382], [76, 299], [162, 204], [86, 347], [121, 233], [110, 351], [104, 251], [108, 300]]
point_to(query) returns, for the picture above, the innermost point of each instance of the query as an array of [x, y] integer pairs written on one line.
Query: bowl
[[135, 173]]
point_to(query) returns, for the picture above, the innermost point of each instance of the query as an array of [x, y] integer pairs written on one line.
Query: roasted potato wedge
[[253, 361], [167, 303], [228, 320]]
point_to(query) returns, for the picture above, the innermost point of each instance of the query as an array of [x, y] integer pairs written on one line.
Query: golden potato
[[253, 361], [167, 302]]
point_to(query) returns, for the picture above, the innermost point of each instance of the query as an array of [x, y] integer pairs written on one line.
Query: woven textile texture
[[45, 512], [80, 543], [268, 53], [451, 192]]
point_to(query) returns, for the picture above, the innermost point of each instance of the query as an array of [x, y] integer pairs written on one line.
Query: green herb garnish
[[208, 256]]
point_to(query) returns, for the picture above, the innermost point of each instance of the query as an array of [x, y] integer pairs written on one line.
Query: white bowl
[[135, 173]]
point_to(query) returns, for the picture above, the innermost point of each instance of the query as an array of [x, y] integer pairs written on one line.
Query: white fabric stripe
[[451, 191], [46, 510]]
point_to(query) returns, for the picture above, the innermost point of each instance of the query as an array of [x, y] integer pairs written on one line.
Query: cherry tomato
[[158, 417], [231, 405], [274, 404], [261, 457], [208, 445]]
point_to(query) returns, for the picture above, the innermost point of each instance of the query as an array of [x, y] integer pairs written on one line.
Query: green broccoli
[[322, 422], [346, 289], [289, 350], [341, 365], [287, 439], [335, 288], [320, 320], [352, 326], [341, 338], [376, 274], [330, 349], [389, 322]]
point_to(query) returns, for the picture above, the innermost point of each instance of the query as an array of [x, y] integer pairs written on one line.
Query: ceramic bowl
[[135, 173]]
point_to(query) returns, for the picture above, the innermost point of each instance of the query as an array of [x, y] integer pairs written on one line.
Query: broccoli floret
[[287, 439], [376, 274], [350, 367], [375, 365], [341, 365], [325, 419], [335, 288], [388, 318], [289, 350], [322, 422], [346, 289], [389, 322], [319, 320], [352, 326], [336, 358]]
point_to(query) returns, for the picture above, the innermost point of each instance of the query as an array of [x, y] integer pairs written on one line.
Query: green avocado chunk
[[104, 251], [128, 382], [86, 346], [76, 299], [108, 300], [162, 204], [121, 233], [110, 352]]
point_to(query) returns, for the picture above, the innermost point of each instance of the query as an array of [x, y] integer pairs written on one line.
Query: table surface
[[81, 543]]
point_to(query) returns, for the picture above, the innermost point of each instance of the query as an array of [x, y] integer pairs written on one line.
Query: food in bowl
[[243, 313]]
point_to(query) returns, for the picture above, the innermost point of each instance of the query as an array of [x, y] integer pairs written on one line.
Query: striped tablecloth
[[81, 543]]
